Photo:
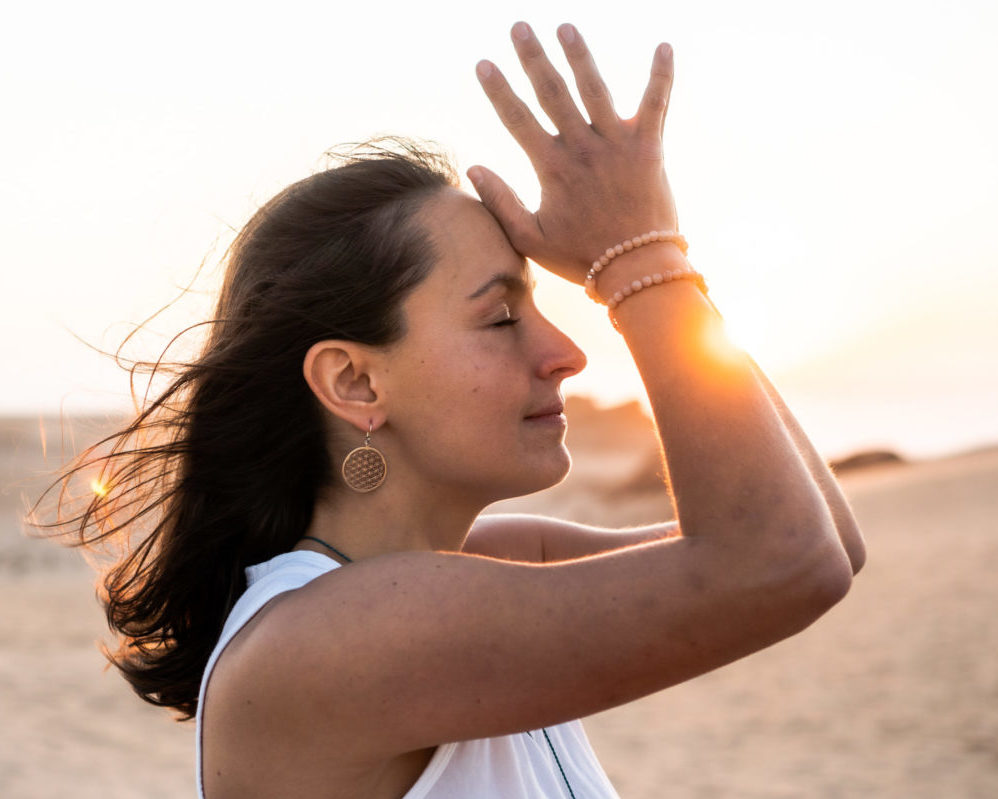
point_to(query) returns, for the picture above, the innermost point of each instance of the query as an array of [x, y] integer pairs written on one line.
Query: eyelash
[[505, 322]]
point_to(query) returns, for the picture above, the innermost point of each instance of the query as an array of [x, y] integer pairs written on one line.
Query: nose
[[560, 357]]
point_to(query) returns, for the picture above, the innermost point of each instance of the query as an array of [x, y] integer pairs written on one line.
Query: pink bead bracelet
[[626, 246], [648, 281]]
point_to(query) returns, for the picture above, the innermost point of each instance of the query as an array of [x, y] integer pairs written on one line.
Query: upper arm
[[414, 649], [539, 539]]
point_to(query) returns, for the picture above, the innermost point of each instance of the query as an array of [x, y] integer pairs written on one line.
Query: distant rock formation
[[863, 460], [622, 435], [648, 478], [593, 427]]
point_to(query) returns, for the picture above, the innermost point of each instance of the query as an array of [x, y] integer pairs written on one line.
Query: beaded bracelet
[[656, 279], [626, 246]]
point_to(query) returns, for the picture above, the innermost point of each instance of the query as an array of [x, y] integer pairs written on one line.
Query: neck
[[389, 519]]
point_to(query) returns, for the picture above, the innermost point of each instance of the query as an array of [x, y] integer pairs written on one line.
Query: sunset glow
[[824, 216], [718, 340]]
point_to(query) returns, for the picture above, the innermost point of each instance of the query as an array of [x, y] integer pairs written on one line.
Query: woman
[[376, 374]]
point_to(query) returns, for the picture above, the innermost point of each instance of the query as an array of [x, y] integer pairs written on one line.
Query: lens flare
[[718, 339]]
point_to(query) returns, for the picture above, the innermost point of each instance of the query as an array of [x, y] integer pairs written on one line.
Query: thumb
[[501, 201]]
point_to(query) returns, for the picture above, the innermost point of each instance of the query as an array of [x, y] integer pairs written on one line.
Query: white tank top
[[518, 766]]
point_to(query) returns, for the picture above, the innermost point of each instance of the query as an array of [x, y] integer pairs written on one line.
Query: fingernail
[[521, 31], [474, 175], [484, 69], [568, 33], [665, 49]]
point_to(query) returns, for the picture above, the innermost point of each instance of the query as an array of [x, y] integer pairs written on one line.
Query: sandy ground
[[893, 694]]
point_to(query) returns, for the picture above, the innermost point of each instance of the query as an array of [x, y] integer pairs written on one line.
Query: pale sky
[[834, 169]]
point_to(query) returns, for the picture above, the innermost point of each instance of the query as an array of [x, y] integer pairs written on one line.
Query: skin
[[483, 360], [308, 701]]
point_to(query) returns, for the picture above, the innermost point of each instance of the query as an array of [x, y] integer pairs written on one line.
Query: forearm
[[737, 476], [845, 522]]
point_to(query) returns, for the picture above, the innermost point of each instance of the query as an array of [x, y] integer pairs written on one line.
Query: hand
[[601, 182]]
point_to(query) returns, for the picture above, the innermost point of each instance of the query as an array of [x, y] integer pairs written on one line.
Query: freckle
[[474, 390]]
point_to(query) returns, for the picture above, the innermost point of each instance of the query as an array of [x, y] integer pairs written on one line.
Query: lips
[[554, 409]]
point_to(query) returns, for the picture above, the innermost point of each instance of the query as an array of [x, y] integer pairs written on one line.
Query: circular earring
[[364, 468]]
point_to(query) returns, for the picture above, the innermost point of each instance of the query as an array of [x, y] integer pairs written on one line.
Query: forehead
[[469, 245]]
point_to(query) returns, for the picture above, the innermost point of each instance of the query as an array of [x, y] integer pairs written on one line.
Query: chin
[[543, 475]]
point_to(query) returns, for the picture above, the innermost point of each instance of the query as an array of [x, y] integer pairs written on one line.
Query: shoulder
[[252, 706]]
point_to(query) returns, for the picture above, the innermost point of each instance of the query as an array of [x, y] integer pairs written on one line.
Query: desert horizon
[[891, 695], [834, 173], [64, 431]]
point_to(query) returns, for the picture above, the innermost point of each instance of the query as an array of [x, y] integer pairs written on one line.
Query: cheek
[[477, 368], [474, 407], [459, 380]]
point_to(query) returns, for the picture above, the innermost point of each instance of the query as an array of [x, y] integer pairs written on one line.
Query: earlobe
[[337, 374]]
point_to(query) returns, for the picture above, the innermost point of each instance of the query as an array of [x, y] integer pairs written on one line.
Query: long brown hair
[[222, 469]]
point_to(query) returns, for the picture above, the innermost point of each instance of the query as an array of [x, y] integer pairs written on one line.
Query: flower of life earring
[[364, 468]]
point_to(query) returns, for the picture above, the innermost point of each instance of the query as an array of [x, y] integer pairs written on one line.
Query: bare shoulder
[[383, 659], [234, 755], [265, 727]]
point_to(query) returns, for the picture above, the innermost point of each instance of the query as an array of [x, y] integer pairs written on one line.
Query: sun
[[717, 338]]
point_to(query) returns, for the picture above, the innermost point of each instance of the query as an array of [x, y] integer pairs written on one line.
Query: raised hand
[[601, 181]]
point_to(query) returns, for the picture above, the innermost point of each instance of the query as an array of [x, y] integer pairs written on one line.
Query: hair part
[[222, 470]]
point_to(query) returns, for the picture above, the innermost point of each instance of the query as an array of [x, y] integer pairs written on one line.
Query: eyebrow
[[512, 283]]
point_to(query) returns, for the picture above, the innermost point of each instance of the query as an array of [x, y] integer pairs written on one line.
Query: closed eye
[[505, 322]]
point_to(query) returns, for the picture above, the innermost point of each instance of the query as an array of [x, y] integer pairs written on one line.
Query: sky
[[834, 168]]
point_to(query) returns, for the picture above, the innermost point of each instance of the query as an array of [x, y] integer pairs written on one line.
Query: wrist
[[634, 265]]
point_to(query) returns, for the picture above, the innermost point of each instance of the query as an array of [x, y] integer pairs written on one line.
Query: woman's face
[[473, 387]]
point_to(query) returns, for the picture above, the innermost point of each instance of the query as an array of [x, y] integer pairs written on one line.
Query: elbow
[[822, 583], [849, 534], [833, 582], [822, 571], [814, 576], [857, 555], [853, 544]]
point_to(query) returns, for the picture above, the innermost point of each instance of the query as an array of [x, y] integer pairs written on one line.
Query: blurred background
[[835, 171]]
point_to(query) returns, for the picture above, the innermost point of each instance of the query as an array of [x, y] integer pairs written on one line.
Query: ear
[[341, 375]]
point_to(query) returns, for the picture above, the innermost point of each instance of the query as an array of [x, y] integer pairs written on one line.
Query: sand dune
[[893, 694]]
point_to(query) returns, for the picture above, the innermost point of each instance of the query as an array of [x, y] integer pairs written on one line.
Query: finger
[[655, 102], [501, 201], [593, 91], [513, 112], [550, 88]]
